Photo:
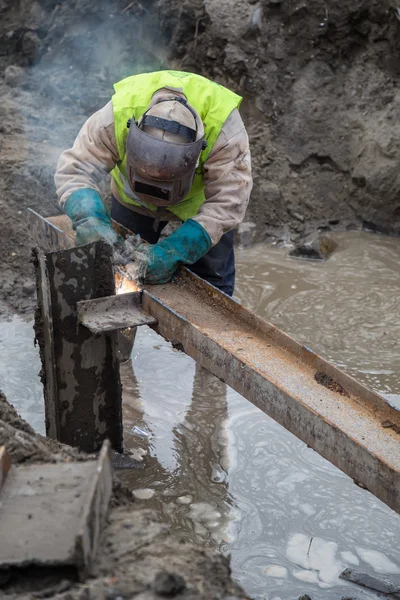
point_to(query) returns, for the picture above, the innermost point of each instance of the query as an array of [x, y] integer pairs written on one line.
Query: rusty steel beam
[[80, 369], [50, 234], [345, 422], [354, 428]]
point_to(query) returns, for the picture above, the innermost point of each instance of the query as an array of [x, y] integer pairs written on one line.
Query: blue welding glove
[[185, 246], [90, 218]]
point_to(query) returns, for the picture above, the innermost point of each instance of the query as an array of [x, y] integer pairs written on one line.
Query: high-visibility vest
[[132, 97]]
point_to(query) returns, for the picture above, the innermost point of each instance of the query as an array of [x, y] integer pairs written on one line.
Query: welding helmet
[[163, 150]]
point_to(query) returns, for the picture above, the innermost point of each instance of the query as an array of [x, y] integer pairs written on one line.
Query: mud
[[321, 103], [139, 557], [330, 383]]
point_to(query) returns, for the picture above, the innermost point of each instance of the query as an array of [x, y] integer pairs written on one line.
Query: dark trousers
[[217, 266]]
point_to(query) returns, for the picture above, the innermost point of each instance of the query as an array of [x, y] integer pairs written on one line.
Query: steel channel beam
[[354, 428], [80, 369]]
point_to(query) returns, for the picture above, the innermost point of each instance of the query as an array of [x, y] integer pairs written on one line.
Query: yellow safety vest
[[213, 102]]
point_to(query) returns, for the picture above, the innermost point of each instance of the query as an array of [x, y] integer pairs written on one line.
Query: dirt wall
[[321, 103]]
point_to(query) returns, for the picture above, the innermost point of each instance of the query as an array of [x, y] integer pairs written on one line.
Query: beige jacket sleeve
[[227, 172], [93, 155], [228, 180]]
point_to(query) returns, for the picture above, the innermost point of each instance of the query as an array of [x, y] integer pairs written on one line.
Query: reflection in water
[[19, 369], [181, 426], [219, 469]]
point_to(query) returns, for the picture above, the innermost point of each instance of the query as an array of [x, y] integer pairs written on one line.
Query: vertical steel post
[[80, 370]]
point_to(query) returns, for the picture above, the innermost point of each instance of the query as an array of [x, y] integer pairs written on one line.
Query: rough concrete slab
[[112, 313], [52, 514]]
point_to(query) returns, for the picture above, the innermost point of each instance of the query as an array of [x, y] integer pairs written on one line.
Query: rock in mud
[[14, 76], [168, 585], [381, 584], [31, 45], [246, 233], [315, 247]]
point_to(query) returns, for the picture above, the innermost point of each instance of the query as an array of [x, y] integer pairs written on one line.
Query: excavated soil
[[138, 557], [321, 103]]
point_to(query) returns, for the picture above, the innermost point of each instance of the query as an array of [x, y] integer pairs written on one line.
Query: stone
[[316, 246], [270, 192], [31, 45], [168, 584], [28, 287], [246, 233], [32, 499], [14, 76], [381, 584], [296, 215]]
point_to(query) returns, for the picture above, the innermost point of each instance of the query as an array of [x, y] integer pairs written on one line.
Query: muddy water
[[220, 470], [346, 309]]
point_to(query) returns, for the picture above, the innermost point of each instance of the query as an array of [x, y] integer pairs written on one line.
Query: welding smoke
[[131, 258], [64, 70]]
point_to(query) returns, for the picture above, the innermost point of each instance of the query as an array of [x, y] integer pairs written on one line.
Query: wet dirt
[[321, 103], [218, 471], [138, 556], [330, 383]]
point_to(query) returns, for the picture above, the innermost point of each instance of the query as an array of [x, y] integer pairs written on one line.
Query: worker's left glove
[[185, 246]]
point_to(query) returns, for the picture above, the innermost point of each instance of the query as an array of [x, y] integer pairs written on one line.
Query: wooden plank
[[53, 514]]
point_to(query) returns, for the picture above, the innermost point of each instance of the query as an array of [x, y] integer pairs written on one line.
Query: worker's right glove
[[185, 246], [90, 218]]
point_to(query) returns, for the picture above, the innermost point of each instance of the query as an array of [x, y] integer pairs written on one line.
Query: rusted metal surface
[[349, 427], [114, 312], [50, 234], [5, 465], [35, 497], [80, 369], [56, 233], [348, 424]]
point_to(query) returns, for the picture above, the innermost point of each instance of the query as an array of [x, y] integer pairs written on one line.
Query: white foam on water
[[307, 509], [349, 558], [204, 514], [276, 571], [143, 493], [184, 499], [378, 561], [317, 555], [307, 576]]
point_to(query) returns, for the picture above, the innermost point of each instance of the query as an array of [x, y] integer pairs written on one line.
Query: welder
[[177, 150]]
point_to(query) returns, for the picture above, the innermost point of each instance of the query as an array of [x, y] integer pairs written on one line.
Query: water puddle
[[219, 469], [345, 309]]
